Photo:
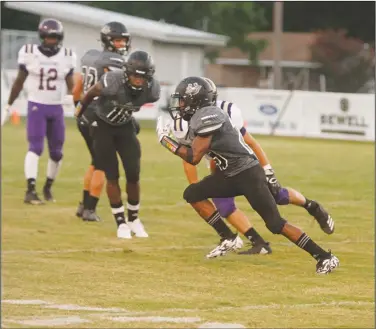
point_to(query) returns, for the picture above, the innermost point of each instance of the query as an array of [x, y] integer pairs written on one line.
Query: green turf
[[49, 254]]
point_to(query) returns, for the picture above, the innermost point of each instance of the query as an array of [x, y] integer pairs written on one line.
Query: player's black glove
[[136, 125], [83, 121], [273, 184]]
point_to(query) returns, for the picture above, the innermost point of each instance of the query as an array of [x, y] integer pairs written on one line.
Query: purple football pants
[[46, 121], [226, 206]]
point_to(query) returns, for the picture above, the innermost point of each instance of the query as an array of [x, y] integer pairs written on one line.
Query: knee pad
[[56, 155], [36, 145], [225, 206], [276, 226], [282, 197], [189, 194]]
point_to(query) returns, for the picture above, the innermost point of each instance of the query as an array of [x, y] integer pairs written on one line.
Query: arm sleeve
[[236, 116]]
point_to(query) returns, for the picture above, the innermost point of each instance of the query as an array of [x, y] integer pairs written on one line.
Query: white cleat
[[224, 246], [238, 243], [138, 228], [123, 232]]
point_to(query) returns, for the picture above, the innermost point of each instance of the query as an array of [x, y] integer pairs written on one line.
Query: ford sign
[[268, 109]]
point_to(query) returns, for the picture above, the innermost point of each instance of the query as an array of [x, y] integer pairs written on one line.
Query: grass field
[[60, 272]]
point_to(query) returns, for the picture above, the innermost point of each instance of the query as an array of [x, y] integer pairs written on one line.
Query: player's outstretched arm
[[94, 91], [17, 85], [256, 147], [190, 172], [77, 88]]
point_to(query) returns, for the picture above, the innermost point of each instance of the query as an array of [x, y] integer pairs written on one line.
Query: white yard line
[[127, 318], [153, 319], [270, 307], [52, 321]]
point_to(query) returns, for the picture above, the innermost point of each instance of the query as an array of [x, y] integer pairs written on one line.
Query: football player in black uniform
[[120, 93], [116, 42], [238, 169]]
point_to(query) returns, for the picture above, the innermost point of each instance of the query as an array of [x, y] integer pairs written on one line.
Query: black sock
[[31, 184], [133, 208], [48, 183], [92, 202], [85, 198], [216, 222], [118, 212], [308, 203], [253, 236], [311, 247]]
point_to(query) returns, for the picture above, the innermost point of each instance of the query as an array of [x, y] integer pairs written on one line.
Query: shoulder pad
[[28, 48], [155, 91], [111, 82], [207, 120]]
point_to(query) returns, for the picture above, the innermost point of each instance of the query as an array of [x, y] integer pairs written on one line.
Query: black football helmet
[[213, 88], [190, 95], [51, 28], [139, 64], [115, 30]]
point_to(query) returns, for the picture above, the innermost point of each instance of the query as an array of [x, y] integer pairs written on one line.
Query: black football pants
[[250, 183]]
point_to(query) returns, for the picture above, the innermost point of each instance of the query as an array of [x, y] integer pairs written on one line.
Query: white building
[[177, 51]]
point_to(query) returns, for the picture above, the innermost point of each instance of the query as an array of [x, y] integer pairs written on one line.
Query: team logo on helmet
[[193, 89], [106, 29]]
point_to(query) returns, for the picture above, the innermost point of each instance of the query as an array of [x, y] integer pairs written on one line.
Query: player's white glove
[[68, 100], [5, 114], [163, 128]]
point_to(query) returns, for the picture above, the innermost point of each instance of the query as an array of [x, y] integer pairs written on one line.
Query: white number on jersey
[[90, 75]]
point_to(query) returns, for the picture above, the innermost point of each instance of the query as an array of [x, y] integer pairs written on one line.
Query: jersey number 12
[[45, 84]]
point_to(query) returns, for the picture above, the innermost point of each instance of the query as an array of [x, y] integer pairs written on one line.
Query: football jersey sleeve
[[22, 56], [155, 91], [236, 116], [207, 120], [113, 61], [110, 82]]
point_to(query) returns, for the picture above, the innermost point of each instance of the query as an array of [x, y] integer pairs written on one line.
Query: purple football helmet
[[51, 28]]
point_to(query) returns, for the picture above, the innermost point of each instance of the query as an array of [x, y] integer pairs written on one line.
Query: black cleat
[[325, 221], [90, 216], [31, 197], [258, 249], [327, 265], [47, 194], [80, 210]]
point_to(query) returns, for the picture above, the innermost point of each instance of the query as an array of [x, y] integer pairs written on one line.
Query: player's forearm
[[184, 152], [256, 147], [70, 84], [85, 102], [15, 91], [190, 172], [189, 155]]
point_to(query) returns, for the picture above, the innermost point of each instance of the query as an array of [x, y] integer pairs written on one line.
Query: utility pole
[[277, 36]]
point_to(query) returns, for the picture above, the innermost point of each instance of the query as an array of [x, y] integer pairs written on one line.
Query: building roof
[[295, 47], [137, 26]]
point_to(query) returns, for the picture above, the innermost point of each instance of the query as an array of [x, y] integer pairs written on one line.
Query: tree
[[233, 19], [237, 20], [347, 63]]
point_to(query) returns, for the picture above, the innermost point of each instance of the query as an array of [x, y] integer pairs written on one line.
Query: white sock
[[31, 165], [53, 168]]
